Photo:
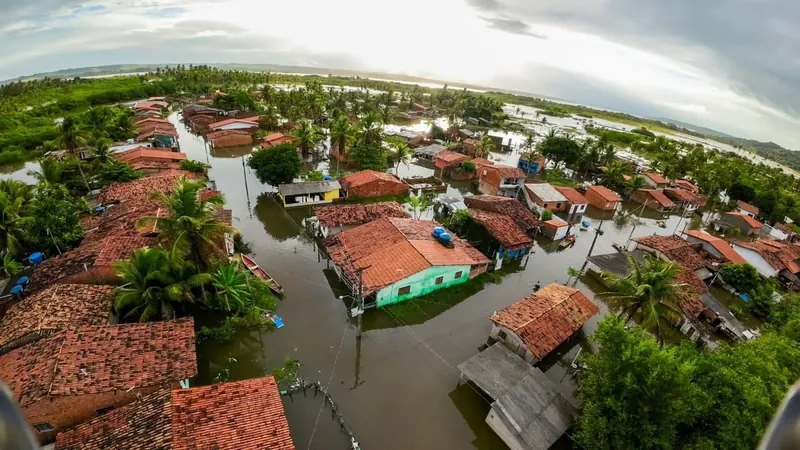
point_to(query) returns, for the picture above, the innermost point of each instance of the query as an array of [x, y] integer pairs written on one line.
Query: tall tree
[[15, 197], [484, 146], [275, 165], [342, 133], [635, 184], [402, 154], [54, 218], [306, 136]]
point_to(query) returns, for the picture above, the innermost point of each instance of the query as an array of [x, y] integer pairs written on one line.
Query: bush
[[116, 171], [743, 277], [276, 165], [469, 167], [547, 214], [195, 166]]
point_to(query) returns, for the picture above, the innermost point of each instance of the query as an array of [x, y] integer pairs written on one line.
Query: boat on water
[[567, 242], [256, 270]]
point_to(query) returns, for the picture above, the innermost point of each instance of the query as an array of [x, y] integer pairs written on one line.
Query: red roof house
[[230, 138], [271, 140], [543, 320], [577, 202], [655, 180], [447, 159], [245, 414], [747, 209], [235, 124], [369, 183], [149, 154], [63, 380], [653, 198], [502, 180], [513, 208], [687, 185], [715, 246], [504, 230], [603, 198], [335, 219], [747, 224]]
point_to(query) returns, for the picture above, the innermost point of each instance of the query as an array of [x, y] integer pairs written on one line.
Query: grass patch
[[738, 307], [556, 178]]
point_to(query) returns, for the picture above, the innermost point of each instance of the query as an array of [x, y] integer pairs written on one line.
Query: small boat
[[256, 270], [567, 242], [662, 224]]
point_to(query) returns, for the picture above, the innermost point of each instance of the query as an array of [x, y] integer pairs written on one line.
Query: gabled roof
[[502, 228], [753, 223], [308, 187], [235, 415], [677, 250], [252, 121], [513, 208], [357, 214], [572, 195], [606, 193], [747, 207], [686, 184], [392, 249], [211, 135], [546, 193], [143, 187], [779, 255], [274, 139], [367, 176], [547, 318], [450, 157], [59, 307], [151, 120], [507, 171], [482, 162], [656, 177], [95, 359], [719, 244], [151, 154], [659, 197], [681, 195]]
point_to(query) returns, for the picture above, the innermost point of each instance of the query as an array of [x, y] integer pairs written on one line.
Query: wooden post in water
[[596, 234]]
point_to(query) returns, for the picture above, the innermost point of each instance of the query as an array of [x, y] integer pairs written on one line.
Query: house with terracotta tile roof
[[334, 219], [230, 138], [536, 325], [680, 251], [400, 259], [74, 375], [508, 240], [743, 222], [715, 246], [655, 180], [510, 207], [686, 185], [59, 307], [274, 139], [234, 415], [543, 196], [502, 180], [448, 160], [235, 124], [370, 183], [772, 259], [747, 209], [653, 198], [149, 154], [684, 200], [603, 198], [555, 229], [577, 202]]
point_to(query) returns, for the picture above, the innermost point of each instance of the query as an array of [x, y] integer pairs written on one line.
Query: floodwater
[[397, 387]]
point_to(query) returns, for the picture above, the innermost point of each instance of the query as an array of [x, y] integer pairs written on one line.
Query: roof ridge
[[534, 294]]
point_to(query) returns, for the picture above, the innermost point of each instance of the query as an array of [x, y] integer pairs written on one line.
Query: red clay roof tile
[[505, 205], [572, 195], [366, 176], [357, 214], [606, 193], [719, 244], [749, 220], [502, 228], [747, 207]]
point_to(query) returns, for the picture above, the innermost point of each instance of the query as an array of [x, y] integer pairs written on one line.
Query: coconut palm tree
[[71, 137], [98, 120], [419, 204], [155, 286], [651, 288], [191, 223], [269, 118], [370, 131], [614, 175], [101, 149], [51, 171], [306, 136], [14, 198], [635, 184], [232, 289], [529, 145], [123, 127], [484, 146], [342, 133], [402, 154]]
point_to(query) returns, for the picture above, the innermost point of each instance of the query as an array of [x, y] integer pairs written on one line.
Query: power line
[[327, 386]]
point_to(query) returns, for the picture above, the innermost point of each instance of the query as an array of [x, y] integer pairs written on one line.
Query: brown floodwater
[[398, 387]]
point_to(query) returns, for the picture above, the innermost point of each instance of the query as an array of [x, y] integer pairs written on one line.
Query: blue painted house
[[508, 240], [531, 167]]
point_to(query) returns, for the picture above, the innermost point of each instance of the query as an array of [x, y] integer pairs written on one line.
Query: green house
[[396, 259]]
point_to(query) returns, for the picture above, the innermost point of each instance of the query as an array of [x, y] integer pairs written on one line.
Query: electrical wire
[[327, 386]]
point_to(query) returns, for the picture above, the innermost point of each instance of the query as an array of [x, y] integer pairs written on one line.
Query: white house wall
[[755, 260], [237, 126]]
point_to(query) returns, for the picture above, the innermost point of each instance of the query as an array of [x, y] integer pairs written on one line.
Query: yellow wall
[[331, 195]]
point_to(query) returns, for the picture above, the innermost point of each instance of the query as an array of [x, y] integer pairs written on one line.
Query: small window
[[458, 274], [102, 411], [440, 280], [502, 335], [404, 290], [44, 427], [558, 205], [484, 173]]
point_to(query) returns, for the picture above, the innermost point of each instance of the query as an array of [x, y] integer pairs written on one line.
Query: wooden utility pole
[[596, 234], [360, 299]]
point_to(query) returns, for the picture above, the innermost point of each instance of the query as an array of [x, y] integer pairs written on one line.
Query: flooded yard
[[398, 386]]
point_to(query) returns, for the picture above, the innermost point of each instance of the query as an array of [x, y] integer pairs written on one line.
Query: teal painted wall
[[422, 283]]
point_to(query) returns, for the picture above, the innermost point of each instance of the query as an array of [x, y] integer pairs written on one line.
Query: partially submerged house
[[576, 201], [543, 196], [334, 219], [531, 167], [747, 209], [502, 180], [603, 198], [773, 259], [399, 259], [429, 152], [555, 229], [653, 198], [74, 375], [307, 193], [370, 184], [510, 207], [684, 199], [655, 180], [687, 254], [534, 326], [715, 246], [527, 411], [746, 224], [149, 155], [230, 138], [239, 414], [235, 124], [509, 241], [686, 185], [275, 139], [448, 160], [59, 307]]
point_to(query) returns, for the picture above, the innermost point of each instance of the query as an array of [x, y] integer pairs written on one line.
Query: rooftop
[[141, 188], [547, 318], [502, 228], [451, 156], [274, 139], [656, 177], [482, 162], [507, 171], [430, 150], [222, 133], [605, 192], [747, 207], [150, 153], [97, 359], [719, 244], [308, 187], [357, 214], [235, 415], [513, 208], [779, 255], [252, 121], [367, 176], [60, 307], [546, 193], [681, 195], [392, 249], [659, 197], [572, 195], [753, 223], [678, 250], [686, 184]]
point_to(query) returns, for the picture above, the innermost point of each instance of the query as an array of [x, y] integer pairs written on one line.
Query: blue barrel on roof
[[438, 230], [36, 258], [23, 280], [444, 237], [327, 178], [586, 223], [17, 290], [100, 209]]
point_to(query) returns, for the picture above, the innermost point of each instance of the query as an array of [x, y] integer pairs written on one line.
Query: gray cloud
[[512, 26], [753, 45]]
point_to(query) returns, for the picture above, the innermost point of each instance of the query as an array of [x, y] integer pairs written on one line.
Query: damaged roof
[[502, 228], [357, 214], [513, 208]]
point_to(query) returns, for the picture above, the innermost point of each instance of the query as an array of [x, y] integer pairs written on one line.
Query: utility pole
[[639, 218], [596, 234], [246, 190], [360, 299]]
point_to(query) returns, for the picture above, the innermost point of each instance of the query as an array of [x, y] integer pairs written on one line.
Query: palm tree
[[232, 289], [484, 146], [342, 133], [98, 119], [101, 149], [51, 171], [386, 113], [155, 285], [614, 176], [269, 118], [402, 154], [123, 127], [71, 137], [306, 136], [650, 288], [191, 223], [418, 204], [635, 184], [14, 198], [370, 131]]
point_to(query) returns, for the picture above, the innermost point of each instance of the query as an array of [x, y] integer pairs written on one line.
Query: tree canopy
[[275, 165]]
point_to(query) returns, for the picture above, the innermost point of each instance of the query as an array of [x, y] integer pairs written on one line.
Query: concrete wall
[[513, 342], [577, 209], [755, 260], [422, 283], [500, 428], [706, 246], [237, 126]]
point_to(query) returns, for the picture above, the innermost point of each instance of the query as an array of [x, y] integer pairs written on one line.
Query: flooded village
[[445, 300]]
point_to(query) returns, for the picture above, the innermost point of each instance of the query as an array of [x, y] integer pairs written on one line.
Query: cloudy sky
[[732, 65]]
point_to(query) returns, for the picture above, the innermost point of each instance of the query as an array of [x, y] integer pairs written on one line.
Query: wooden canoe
[[256, 270]]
